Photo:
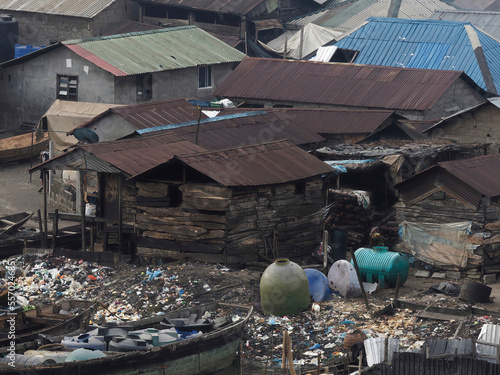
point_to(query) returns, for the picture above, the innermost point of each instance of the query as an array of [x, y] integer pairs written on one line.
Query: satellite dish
[[85, 135]]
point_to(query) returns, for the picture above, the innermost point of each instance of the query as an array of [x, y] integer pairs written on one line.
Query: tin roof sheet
[[467, 180], [243, 128], [349, 15], [424, 44], [74, 8], [134, 156], [127, 26], [149, 115], [264, 164], [327, 121], [473, 4], [239, 7], [489, 22], [482, 173], [155, 50], [353, 85]]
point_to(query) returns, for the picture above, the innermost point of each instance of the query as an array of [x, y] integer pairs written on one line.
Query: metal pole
[[120, 229]]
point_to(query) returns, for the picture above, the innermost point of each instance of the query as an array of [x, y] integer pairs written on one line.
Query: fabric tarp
[[64, 116], [313, 37], [439, 244]]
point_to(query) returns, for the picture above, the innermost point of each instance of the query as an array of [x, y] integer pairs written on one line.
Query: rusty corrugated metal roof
[[230, 39], [466, 180], [264, 164], [244, 128], [136, 155], [149, 115], [336, 84], [127, 26], [330, 121], [482, 173], [75, 8], [239, 7], [159, 113], [154, 50]]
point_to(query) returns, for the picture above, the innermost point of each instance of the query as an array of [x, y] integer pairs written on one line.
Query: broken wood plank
[[438, 316]]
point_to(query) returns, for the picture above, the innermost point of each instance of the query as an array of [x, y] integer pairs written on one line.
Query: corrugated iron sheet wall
[[416, 364]]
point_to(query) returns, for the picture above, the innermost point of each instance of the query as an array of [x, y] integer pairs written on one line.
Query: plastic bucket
[[318, 285]]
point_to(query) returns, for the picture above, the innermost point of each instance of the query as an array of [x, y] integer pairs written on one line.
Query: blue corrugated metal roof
[[425, 44], [202, 121]]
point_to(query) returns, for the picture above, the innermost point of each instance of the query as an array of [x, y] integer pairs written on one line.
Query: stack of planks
[[348, 214], [235, 223]]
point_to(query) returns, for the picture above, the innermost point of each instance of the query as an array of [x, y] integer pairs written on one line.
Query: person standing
[[44, 156]]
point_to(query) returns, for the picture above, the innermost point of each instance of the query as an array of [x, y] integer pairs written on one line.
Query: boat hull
[[204, 354], [19, 148]]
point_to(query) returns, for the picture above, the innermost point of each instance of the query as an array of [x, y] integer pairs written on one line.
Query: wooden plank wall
[[233, 224]]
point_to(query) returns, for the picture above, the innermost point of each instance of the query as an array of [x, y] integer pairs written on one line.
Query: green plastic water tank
[[382, 266], [284, 288]]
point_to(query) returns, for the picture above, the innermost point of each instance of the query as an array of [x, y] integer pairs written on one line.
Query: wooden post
[[82, 208], [92, 234], [120, 229], [325, 249], [287, 353], [55, 228], [360, 281], [31, 152], [40, 226], [397, 288], [45, 214]]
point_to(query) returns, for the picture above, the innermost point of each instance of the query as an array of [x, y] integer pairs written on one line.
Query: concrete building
[[47, 22], [120, 69]]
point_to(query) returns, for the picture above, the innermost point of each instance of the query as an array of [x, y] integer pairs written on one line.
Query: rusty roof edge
[[444, 119], [202, 121]]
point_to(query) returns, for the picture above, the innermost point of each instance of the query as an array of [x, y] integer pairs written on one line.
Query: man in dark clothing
[[44, 156]]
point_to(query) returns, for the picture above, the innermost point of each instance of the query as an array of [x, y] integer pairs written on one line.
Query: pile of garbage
[[125, 293], [329, 330]]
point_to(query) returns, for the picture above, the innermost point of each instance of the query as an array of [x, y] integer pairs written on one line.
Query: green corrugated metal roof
[[155, 50]]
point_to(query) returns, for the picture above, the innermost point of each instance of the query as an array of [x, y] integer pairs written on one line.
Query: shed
[[223, 206], [455, 192]]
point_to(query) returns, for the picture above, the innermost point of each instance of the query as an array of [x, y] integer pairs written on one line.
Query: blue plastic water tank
[[318, 285], [84, 341], [125, 344], [382, 266]]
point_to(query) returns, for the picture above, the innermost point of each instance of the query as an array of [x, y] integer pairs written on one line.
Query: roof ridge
[[126, 35]]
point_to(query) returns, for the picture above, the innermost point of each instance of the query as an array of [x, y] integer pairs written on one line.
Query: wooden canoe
[[207, 353], [11, 223], [19, 148], [46, 320]]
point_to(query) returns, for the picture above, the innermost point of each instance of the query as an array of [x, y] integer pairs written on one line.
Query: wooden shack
[[232, 205], [457, 192]]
